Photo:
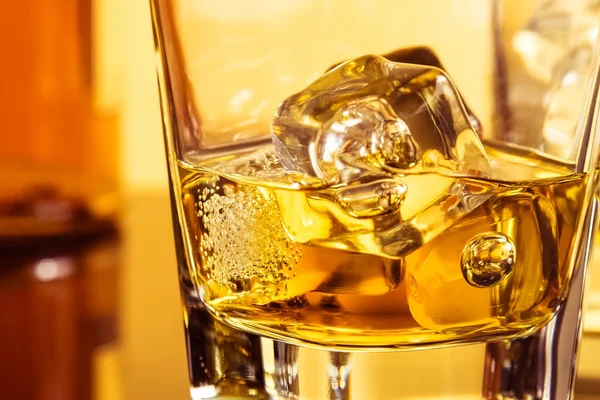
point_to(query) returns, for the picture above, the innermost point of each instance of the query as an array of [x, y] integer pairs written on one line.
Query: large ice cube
[[369, 117], [390, 146], [422, 55], [439, 295], [362, 138]]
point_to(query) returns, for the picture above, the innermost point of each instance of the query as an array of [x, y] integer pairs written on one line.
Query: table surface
[[101, 320]]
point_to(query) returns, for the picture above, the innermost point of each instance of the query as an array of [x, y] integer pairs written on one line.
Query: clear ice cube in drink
[[375, 129], [371, 116], [422, 55]]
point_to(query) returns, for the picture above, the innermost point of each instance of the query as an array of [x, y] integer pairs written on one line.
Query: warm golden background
[[124, 149]]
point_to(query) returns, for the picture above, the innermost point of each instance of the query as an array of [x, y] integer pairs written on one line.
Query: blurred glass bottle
[[59, 109]]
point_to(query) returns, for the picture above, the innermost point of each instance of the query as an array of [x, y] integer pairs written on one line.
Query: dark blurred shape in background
[[59, 202], [59, 149]]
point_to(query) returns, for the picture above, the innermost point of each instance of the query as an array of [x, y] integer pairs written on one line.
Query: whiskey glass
[[380, 200]]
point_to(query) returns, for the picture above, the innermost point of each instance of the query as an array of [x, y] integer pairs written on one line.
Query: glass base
[[236, 365], [227, 363], [431, 374]]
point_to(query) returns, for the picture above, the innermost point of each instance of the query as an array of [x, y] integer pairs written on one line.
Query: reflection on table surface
[[101, 320], [58, 309], [95, 320]]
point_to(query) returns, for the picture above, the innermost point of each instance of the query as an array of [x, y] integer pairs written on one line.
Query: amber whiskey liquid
[[500, 271]]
